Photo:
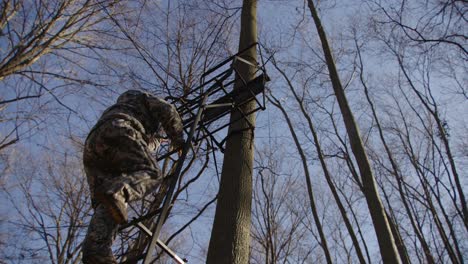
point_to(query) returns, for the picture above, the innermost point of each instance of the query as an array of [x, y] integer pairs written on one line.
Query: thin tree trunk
[[409, 151], [230, 236], [401, 246], [325, 169], [395, 171], [400, 182], [359, 230], [313, 207], [385, 238], [443, 136]]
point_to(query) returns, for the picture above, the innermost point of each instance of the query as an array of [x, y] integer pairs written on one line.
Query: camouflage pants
[[97, 246], [117, 161]]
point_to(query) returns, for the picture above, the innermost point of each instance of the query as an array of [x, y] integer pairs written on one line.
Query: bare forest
[[361, 155]]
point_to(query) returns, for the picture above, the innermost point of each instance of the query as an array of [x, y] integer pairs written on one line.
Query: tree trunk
[[385, 238], [326, 172], [400, 184], [398, 177], [323, 240], [230, 237], [443, 136]]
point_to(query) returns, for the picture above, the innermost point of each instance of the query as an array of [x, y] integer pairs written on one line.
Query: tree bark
[[230, 237], [385, 238]]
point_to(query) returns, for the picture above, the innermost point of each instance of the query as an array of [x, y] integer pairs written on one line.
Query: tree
[[300, 101], [278, 236], [52, 205], [33, 29], [382, 228], [313, 207], [230, 237], [41, 54]]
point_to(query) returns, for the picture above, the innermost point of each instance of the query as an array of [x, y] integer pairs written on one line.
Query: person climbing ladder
[[119, 165]]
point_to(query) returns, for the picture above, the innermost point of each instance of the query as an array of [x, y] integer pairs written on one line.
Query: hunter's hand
[[178, 144]]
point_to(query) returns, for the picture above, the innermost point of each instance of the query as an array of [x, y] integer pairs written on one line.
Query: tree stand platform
[[205, 111]]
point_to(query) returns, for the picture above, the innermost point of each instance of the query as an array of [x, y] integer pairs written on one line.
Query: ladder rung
[[142, 218], [162, 245]]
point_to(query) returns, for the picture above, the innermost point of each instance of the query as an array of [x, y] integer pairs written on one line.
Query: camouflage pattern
[[117, 159], [97, 246]]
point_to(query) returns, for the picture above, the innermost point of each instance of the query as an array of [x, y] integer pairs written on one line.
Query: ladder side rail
[[256, 86], [192, 108], [221, 89], [139, 219], [243, 115], [222, 76], [168, 198], [199, 88], [218, 84], [186, 104], [213, 140], [230, 70], [173, 151], [204, 130], [225, 102], [194, 103]]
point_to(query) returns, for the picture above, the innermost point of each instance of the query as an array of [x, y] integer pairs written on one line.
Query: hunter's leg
[[135, 185], [97, 246]]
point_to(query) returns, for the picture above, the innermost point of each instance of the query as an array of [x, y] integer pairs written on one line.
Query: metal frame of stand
[[200, 109]]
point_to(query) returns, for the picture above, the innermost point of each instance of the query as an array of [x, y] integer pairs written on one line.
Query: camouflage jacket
[[148, 114]]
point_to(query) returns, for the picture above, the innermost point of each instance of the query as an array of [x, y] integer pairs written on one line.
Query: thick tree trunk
[[385, 238], [230, 237]]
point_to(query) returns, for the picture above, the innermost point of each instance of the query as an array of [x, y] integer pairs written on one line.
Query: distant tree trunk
[[430, 105], [453, 252], [385, 238], [230, 237], [400, 243], [313, 206], [400, 186], [398, 177], [326, 172]]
